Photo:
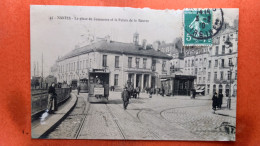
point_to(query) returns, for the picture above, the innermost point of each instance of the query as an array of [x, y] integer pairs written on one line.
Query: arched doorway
[[227, 90], [220, 88]]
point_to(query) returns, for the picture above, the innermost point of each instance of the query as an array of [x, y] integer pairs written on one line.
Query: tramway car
[[98, 85]]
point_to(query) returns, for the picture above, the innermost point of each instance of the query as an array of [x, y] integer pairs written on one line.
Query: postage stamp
[[200, 25]]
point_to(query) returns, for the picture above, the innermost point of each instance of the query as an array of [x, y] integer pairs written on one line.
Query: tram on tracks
[[98, 85], [83, 84]]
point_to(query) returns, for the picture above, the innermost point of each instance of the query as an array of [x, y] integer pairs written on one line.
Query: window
[[144, 63], [229, 61], [209, 63], [196, 71], [116, 80], [229, 75], [129, 62], [80, 64], [199, 79], [153, 65], [221, 75], [104, 64], [74, 66], [188, 63], [192, 63], [216, 53], [222, 63], [216, 63], [204, 79], [223, 49], [137, 60], [215, 76], [163, 66], [116, 61]]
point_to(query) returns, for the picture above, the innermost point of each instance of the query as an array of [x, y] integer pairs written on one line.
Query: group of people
[[217, 101], [128, 92]]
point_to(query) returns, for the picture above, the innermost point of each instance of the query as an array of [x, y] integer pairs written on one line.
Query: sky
[[55, 37]]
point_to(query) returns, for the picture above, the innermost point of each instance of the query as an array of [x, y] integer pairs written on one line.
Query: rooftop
[[116, 47]]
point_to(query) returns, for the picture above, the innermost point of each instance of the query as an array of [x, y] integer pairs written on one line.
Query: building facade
[[140, 64], [215, 67], [222, 65]]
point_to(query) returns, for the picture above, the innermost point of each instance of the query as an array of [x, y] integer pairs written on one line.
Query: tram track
[[116, 122], [85, 113], [155, 136]]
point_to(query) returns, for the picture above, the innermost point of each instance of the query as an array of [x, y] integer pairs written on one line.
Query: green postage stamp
[[197, 27]]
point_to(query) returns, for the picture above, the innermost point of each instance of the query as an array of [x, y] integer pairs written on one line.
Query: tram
[[74, 84], [83, 83], [98, 85]]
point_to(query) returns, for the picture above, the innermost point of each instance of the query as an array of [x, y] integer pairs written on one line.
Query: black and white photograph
[[126, 74]]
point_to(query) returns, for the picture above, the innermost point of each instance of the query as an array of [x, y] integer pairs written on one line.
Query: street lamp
[[229, 97]]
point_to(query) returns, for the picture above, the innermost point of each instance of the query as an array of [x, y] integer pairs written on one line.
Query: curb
[[41, 130]]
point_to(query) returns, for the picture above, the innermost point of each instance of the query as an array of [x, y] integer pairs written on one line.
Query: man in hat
[[125, 97]]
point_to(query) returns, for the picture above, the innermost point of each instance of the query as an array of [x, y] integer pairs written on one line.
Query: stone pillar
[[134, 80], [141, 81], [149, 81]]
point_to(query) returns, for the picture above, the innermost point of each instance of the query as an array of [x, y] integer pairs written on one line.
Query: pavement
[[49, 121], [223, 111]]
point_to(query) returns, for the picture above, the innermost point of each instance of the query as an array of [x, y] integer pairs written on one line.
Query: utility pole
[[42, 72]]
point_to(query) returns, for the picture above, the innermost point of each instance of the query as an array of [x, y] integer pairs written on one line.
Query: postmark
[[200, 25]]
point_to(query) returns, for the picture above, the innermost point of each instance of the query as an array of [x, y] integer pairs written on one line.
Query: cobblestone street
[[166, 118]]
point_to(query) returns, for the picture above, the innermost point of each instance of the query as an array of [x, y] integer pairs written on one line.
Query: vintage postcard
[[135, 74]]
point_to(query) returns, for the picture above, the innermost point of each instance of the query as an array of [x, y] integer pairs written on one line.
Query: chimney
[[144, 44], [108, 39], [136, 38], [156, 45]]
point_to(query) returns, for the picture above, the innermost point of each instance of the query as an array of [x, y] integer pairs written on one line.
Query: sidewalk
[[228, 112], [223, 111], [49, 121]]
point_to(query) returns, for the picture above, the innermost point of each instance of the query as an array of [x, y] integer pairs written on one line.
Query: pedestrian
[[125, 98], [78, 88], [193, 93], [214, 101], [163, 92], [220, 100], [52, 99], [150, 93], [137, 91]]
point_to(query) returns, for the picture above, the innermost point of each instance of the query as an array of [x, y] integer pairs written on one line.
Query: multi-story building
[[222, 63], [212, 65], [140, 64], [195, 63], [176, 51]]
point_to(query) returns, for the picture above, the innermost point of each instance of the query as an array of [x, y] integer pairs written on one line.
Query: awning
[[202, 88], [199, 91], [198, 88]]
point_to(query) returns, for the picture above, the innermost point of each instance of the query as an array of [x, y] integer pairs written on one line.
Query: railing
[[40, 98]]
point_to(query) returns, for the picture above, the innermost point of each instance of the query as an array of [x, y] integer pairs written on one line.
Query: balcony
[[224, 81]]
